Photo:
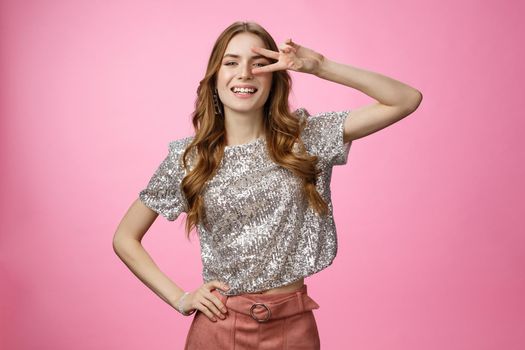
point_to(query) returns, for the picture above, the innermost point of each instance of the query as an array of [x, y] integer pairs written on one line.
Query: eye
[[230, 63], [261, 64]]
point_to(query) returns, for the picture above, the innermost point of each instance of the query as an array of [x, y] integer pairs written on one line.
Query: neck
[[243, 127]]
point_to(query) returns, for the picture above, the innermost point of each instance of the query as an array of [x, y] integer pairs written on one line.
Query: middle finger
[[287, 48], [217, 304], [266, 52], [269, 68]]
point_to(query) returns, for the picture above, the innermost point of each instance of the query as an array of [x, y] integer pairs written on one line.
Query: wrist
[[179, 304], [175, 297], [324, 67]]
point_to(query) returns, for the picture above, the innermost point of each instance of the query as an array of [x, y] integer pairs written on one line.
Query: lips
[[244, 87]]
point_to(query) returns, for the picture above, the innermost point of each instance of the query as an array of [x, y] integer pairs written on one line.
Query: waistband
[[265, 307]]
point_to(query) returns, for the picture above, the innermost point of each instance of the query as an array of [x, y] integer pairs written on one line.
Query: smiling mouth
[[243, 91]]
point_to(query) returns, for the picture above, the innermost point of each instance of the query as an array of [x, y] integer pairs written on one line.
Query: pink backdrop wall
[[429, 211]]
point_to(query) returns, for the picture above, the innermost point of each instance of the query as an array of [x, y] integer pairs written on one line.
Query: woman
[[254, 181]]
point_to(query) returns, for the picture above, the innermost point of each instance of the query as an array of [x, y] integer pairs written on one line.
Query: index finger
[[218, 303], [266, 52]]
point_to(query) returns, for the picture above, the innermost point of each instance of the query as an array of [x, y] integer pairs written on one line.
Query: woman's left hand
[[290, 56]]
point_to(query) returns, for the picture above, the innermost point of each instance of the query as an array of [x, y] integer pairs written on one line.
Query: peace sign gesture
[[290, 56]]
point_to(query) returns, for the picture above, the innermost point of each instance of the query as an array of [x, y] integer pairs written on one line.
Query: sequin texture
[[260, 231]]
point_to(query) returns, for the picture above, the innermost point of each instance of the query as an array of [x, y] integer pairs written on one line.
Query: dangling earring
[[216, 104]]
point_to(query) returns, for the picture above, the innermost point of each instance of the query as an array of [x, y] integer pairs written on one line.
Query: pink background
[[429, 211]]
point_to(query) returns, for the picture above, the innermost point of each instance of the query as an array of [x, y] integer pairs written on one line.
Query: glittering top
[[262, 232]]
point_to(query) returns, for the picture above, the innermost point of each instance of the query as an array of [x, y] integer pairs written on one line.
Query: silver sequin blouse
[[262, 232]]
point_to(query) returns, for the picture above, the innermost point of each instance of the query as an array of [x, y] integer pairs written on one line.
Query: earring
[[216, 104]]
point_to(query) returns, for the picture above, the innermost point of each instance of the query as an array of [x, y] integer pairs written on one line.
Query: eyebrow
[[237, 56]]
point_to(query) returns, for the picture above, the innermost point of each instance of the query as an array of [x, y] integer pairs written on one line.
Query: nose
[[246, 71]]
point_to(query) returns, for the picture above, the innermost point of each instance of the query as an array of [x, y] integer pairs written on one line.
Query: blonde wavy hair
[[282, 130]]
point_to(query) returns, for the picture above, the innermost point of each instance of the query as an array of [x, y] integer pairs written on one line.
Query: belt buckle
[[260, 319]]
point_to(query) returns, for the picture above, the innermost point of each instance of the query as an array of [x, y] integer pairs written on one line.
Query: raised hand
[[290, 56]]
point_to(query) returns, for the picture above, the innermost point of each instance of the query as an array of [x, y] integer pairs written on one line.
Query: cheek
[[223, 77], [268, 84], [220, 78], [268, 81]]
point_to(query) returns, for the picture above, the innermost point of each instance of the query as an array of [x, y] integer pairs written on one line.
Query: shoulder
[[303, 117], [301, 113], [323, 124], [178, 146], [176, 152], [323, 134], [320, 119]]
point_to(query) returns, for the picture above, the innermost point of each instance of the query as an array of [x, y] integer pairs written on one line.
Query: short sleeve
[[323, 135], [163, 194]]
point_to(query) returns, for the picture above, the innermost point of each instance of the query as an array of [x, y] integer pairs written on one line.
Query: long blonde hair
[[282, 130]]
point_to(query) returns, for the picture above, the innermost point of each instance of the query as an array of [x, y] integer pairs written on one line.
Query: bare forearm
[[384, 89], [137, 259]]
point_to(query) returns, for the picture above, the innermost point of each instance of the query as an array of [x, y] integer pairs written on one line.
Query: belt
[[265, 307]]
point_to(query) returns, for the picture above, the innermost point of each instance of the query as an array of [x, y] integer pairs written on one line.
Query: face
[[235, 72]]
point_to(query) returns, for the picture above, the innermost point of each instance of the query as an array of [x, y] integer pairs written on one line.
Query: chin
[[245, 109]]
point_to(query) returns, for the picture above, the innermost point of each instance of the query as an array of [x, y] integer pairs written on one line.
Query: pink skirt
[[258, 321]]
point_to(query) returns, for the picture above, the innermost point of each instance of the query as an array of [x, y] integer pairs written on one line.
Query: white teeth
[[244, 90]]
